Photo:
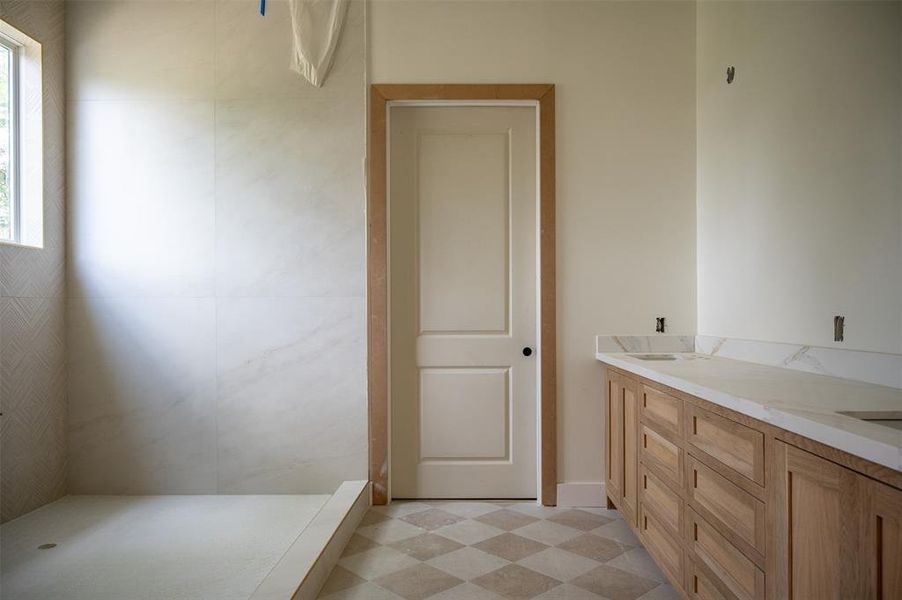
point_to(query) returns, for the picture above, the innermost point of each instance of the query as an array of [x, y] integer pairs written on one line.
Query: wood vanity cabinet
[[836, 533], [732, 508]]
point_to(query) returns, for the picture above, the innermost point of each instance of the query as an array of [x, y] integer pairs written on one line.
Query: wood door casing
[[380, 95]]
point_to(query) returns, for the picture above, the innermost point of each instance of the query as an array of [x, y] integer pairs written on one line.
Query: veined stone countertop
[[802, 403]]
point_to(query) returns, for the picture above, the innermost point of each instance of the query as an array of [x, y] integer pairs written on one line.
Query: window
[[9, 133], [21, 139]]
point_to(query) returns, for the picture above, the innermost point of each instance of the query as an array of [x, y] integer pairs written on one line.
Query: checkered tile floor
[[493, 550]]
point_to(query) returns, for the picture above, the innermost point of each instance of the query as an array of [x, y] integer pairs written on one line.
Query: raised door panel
[[630, 449], [732, 568], [814, 505], [662, 455], [665, 549], [701, 585], [614, 436], [727, 505], [882, 540], [739, 447], [662, 410], [661, 500]]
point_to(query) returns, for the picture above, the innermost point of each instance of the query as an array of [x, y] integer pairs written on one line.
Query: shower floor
[[142, 547]]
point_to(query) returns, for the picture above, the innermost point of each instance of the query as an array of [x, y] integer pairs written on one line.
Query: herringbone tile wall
[[32, 302]]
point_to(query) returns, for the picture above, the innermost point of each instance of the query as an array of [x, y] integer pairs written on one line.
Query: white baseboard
[[581, 494]]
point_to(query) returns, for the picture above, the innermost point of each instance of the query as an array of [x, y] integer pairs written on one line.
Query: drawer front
[[666, 550], [739, 447], [735, 571], [665, 411], [656, 450], [700, 585], [732, 507], [661, 500]]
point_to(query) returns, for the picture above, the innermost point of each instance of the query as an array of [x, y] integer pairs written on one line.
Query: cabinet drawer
[[739, 447], [701, 586], [661, 500], [736, 572], [731, 507], [657, 451], [665, 549], [665, 411]]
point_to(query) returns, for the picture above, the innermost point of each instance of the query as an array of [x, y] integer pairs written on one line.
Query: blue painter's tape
[[262, 8]]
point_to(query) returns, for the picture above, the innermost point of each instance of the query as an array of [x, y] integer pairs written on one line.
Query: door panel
[[463, 285], [464, 414], [463, 214]]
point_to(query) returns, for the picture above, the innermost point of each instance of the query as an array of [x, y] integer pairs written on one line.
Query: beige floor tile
[[506, 519], [388, 532], [372, 517], [418, 582], [426, 546], [340, 579], [557, 563], [579, 519], [367, 591], [399, 508], [662, 592], [469, 532], [640, 562], [468, 563], [467, 509], [432, 519], [609, 513], [467, 591], [594, 547], [377, 562], [548, 532], [569, 592], [358, 543], [510, 546], [614, 583], [535, 510], [514, 581], [619, 531]]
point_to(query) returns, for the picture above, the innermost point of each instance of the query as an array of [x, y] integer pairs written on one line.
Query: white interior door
[[463, 287]]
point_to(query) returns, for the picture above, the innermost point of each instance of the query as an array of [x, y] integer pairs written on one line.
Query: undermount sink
[[663, 356], [887, 418]]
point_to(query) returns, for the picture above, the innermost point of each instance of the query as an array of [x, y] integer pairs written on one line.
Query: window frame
[[15, 142]]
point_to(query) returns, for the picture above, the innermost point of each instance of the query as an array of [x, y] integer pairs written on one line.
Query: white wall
[[216, 309], [625, 96], [800, 172], [32, 300]]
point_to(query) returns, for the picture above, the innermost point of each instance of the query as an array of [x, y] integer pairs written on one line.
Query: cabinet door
[[614, 437], [881, 546], [814, 508], [630, 504]]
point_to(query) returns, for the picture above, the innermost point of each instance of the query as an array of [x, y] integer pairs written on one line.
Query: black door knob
[[527, 351]]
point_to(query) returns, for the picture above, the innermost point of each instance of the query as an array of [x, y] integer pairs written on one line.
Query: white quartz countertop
[[802, 403]]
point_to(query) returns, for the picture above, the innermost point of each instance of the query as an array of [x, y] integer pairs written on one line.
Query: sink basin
[[887, 418], [664, 356]]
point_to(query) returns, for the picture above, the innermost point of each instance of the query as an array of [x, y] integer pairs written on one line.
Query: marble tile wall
[[216, 309], [32, 302]]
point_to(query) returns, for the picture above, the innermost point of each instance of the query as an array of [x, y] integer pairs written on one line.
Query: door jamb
[[377, 268]]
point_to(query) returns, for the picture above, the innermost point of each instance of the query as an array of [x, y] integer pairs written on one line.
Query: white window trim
[[27, 150], [15, 159]]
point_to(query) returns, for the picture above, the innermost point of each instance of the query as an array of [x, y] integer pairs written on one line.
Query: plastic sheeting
[[316, 27]]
